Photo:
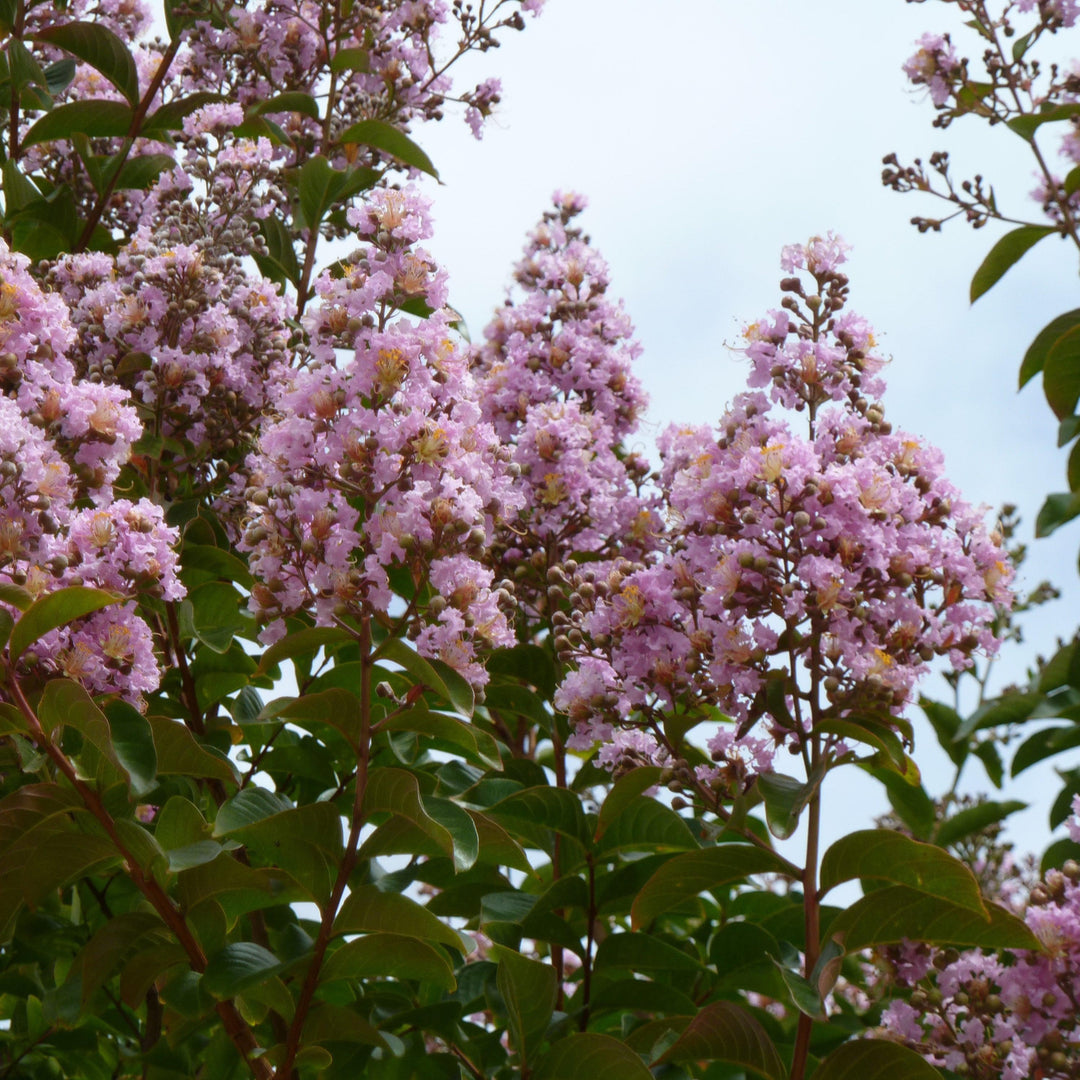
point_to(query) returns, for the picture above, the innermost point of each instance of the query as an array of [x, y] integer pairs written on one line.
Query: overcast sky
[[709, 133]]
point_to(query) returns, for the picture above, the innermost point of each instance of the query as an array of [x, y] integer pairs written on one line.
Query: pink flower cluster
[[63, 440], [1008, 1016], [175, 318], [557, 384], [379, 460], [389, 61], [831, 566], [934, 66]]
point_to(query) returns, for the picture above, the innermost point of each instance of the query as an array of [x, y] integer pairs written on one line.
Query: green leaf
[[1044, 744], [1010, 708], [785, 799], [390, 956], [170, 117], [25, 70], [643, 952], [388, 140], [216, 615], [946, 723], [321, 187], [133, 743], [884, 855], [99, 47], [398, 792], [53, 610], [281, 255], [238, 966], [872, 732], [337, 708], [887, 916], [803, 995], [293, 102], [59, 75], [179, 754], [1061, 373], [647, 825], [302, 643], [351, 60], [1058, 853], [247, 807], [1007, 251], [367, 910], [528, 990], [875, 1059], [1056, 511], [139, 173], [547, 807], [66, 704], [724, 1032], [461, 828], [15, 595], [95, 118], [974, 819], [590, 1056], [686, 876], [531, 664], [1035, 357], [477, 745], [444, 681], [1026, 126], [624, 792]]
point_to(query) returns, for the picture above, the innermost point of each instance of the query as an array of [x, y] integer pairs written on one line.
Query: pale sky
[[709, 133]]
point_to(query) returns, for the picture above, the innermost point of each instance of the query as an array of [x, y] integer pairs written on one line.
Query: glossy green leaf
[[66, 704], [429, 674], [25, 70], [178, 753], [476, 745], [53, 610], [888, 915], [351, 60], [1035, 357], [974, 819], [874, 733], [95, 118], [1027, 124], [99, 47], [532, 664], [238, 966], [461, 828], [390, 956], [591, 1056], [1010, 708], [217, 614], [328, 1023], [133, 744], [885, 855], [647, 825], [1058, 509], [15, 595], [247, 807], [170, 117], [368, 910], [548, 807], [625, 791], [804, 996], [1044, 744], [686, 876], [320, 187], [723, 1031], [280, 264], [946, 723], [293, 102], [59, 75], [1004, 254], [398, 792], [785, 799], [337, 708], [643, 952], [875, 1059], [1061, 373], [528, 990], [388, 140]]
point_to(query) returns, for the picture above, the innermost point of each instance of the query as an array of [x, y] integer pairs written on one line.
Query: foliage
[[366, 706]]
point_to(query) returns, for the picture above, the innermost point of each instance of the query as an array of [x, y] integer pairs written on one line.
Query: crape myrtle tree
[[344, 659]]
